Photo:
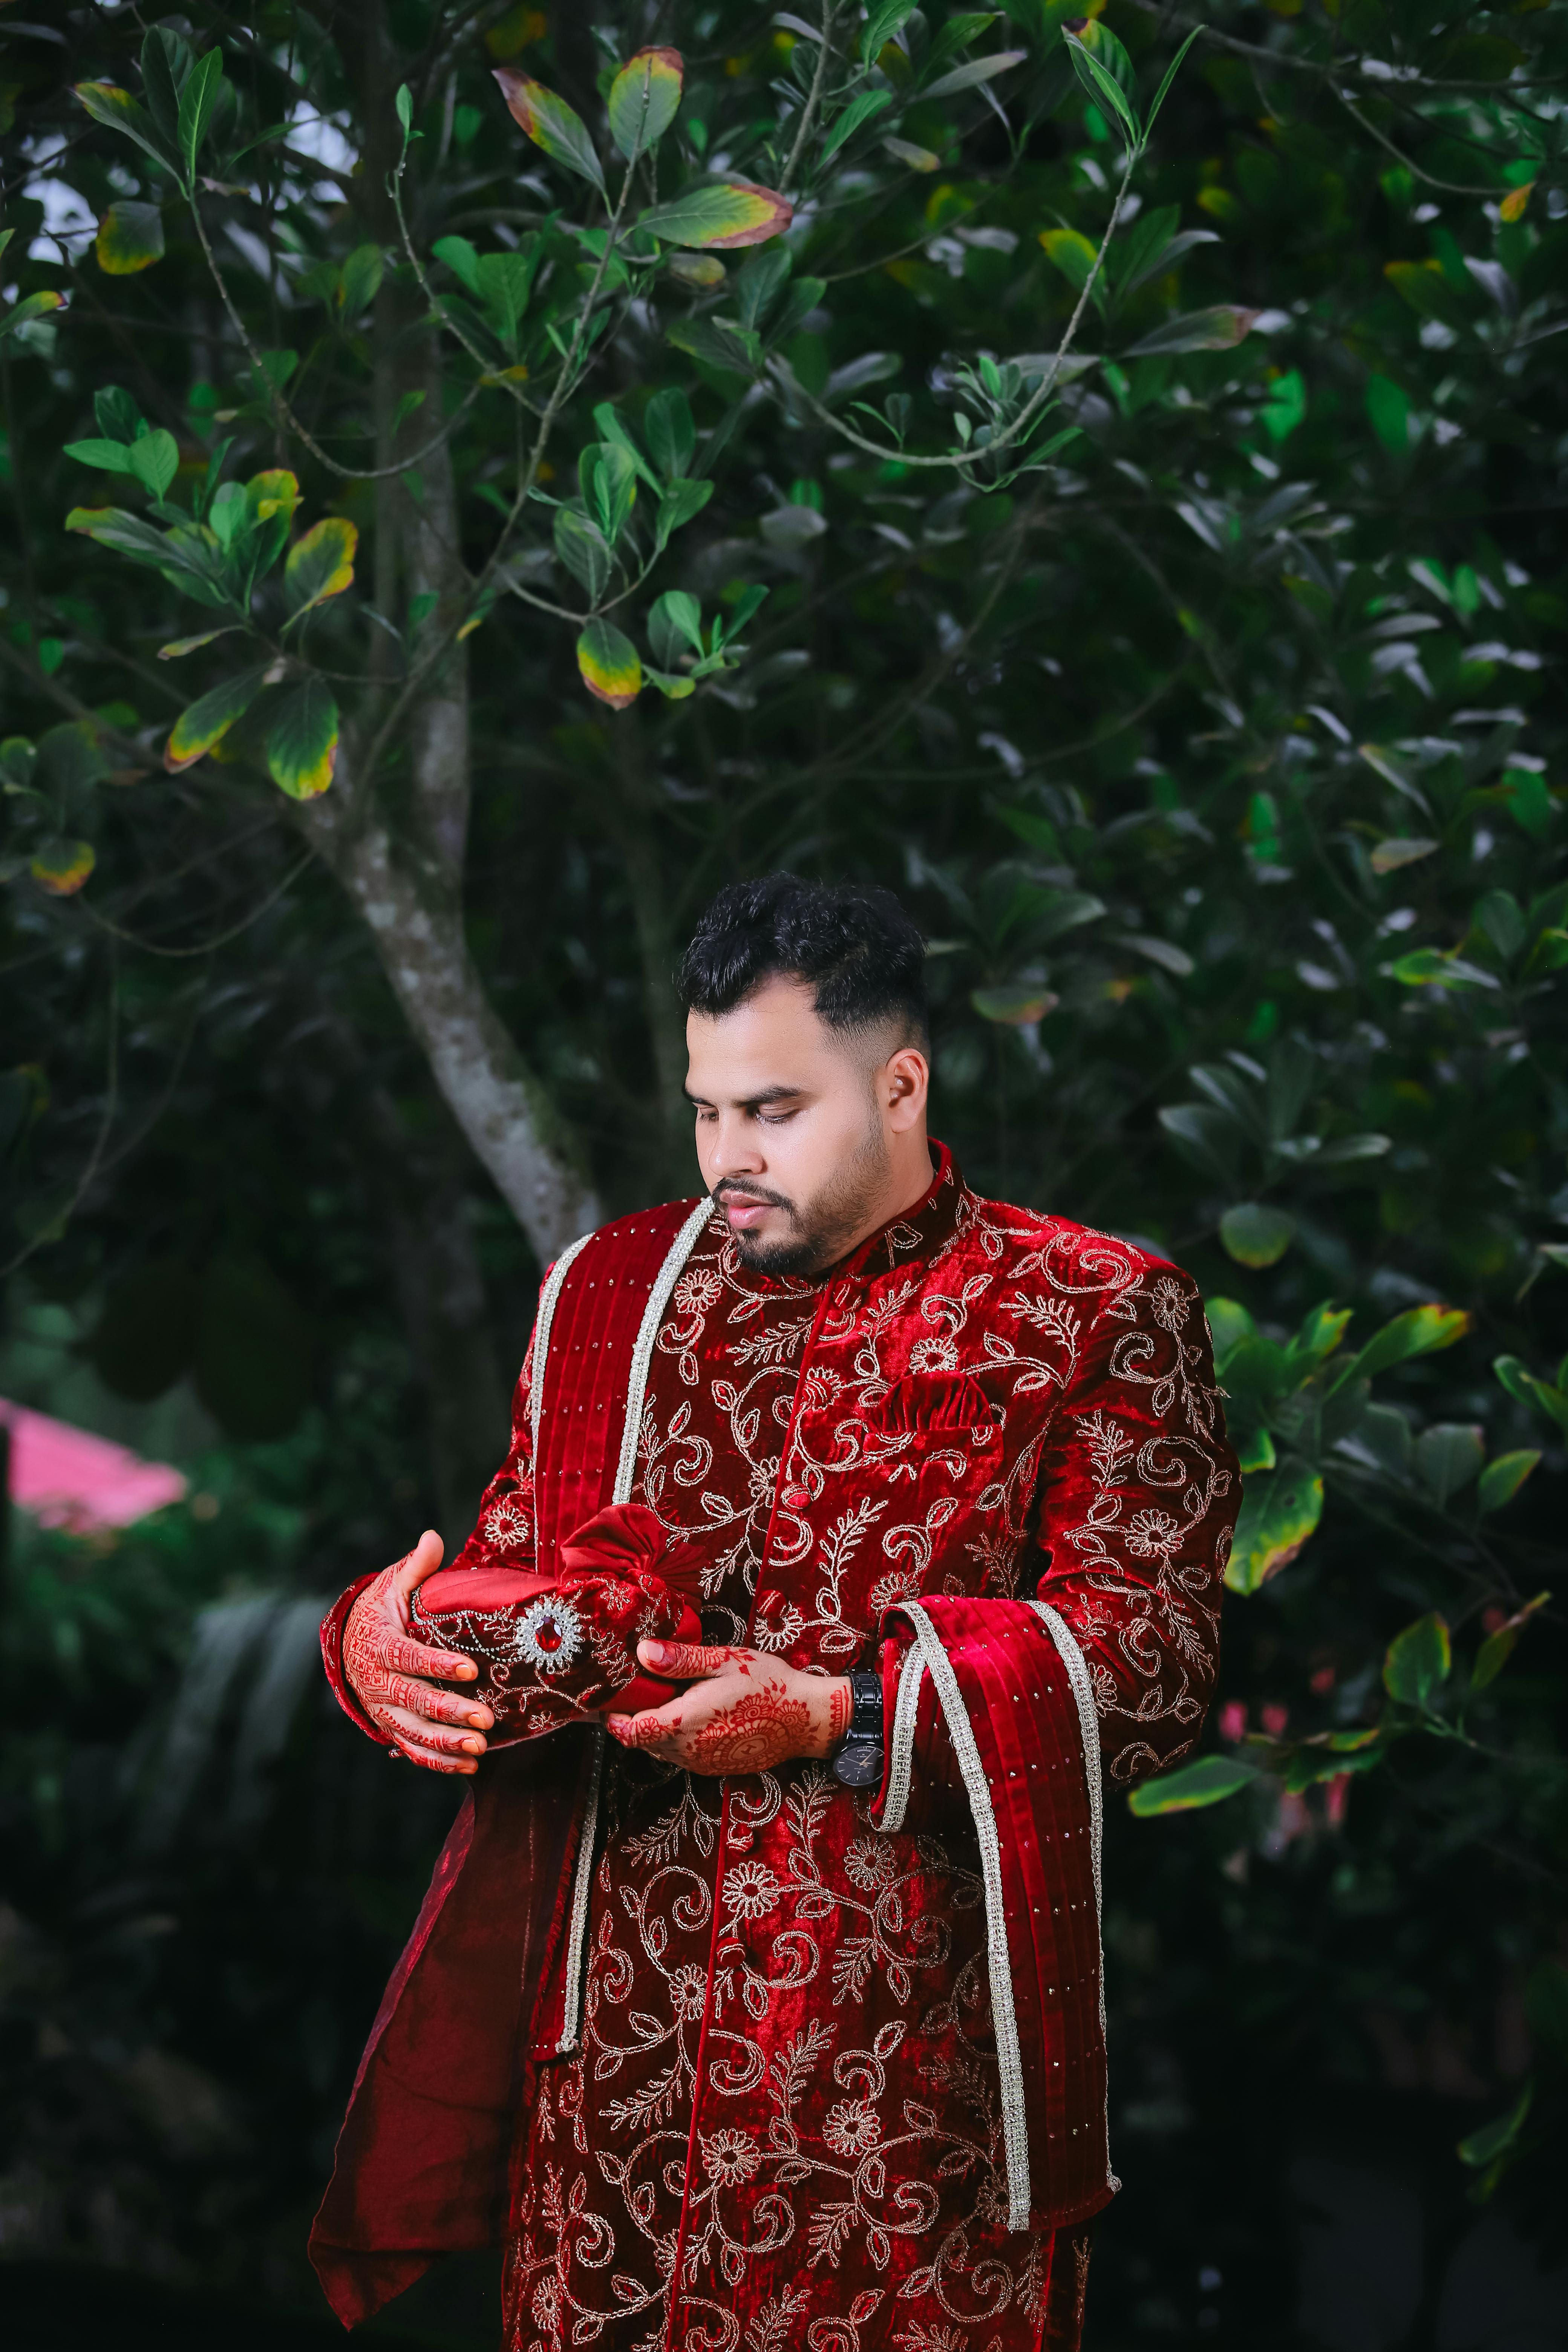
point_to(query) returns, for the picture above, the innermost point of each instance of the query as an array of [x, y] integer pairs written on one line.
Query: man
[[772, 2012]]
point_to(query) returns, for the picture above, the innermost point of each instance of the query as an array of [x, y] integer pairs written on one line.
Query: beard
[[824, 1228]]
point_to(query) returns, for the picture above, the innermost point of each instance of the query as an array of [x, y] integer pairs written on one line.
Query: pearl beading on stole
[[1005, 2017], [1072, 1659], [901, 1745], [625, 1472]]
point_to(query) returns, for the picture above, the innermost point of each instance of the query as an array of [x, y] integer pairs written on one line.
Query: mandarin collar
[[914, 1234]]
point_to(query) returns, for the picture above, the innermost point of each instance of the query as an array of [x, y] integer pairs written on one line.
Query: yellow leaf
[[1514, 203]]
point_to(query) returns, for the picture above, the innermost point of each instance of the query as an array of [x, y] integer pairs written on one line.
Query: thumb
[[422, 1561]]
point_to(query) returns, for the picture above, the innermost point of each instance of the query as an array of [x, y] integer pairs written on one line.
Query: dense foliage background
[[1195, 686]]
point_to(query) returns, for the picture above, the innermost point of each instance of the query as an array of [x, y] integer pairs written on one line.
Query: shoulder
[[1078, 1259], [635, 1244]]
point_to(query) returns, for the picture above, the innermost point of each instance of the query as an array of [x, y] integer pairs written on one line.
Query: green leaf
[[1102, 86], [404, 105], [1523, 1383], [197, 101], [881, 24], [61, 866], [1417, 1662], [156, 460], [681, 503], [612, 428], [32, 306], [609, 665], [109, 456], [1069, 250], [1229, 1323], [1389, 409], [319, 565], [1255, 1234], [462, 259], [1501, 917], [129, 238], [166, 62], [1425, 966], [209, 719], [671, 434], [1494, 2140], [117, 416], [551, 123], [580, 546], [1419, 1331], [1017, 1007], [674, 626], [1448, 1456], [118, 110], [1172, 70], [1279, 1510], [178, 647], [1498, 1648], [1504, 1476], [722, 216], [978, 69], [359, 281], [1388, 857], [722, 344], [302, 741], [1218, 329], [1205, 1780], [856, 115], [644, 99]]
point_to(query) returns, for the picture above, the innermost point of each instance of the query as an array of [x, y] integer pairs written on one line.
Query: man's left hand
[[744, 1712]]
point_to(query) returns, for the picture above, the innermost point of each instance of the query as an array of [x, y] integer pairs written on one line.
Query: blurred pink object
[[1233, 1720], [1336, 1798], [1274, 1719], [66, 1477]]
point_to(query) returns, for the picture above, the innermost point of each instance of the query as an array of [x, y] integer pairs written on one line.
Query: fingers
[[404, 1656], [418, 1698], [431, 1760], [651, 1729], [688, 1658], [422, 1561], [426, 1743]]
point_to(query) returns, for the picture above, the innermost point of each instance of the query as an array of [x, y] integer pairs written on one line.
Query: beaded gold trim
[[1003, 2016], [669, 1274], [1072, 1658], [625, 1472], [901, 1742], [548, 1296]]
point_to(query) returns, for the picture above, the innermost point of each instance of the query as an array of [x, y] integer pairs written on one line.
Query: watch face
[[858, 1763]]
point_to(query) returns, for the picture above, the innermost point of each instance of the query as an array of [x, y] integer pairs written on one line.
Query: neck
[[909, 1180]]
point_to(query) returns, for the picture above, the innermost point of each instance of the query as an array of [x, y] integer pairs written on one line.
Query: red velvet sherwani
[[803, 2065]]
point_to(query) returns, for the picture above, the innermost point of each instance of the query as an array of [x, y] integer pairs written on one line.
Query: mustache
[[728, 1185]]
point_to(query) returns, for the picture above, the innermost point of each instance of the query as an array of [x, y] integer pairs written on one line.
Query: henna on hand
[[746, 1712], [387, 1672]]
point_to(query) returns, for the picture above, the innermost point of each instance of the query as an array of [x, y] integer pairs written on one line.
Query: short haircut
[[852, 944]]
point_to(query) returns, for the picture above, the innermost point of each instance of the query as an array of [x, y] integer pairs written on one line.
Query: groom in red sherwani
[[763, 2007]]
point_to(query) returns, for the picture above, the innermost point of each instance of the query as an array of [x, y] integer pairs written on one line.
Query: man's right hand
[[389, 1672]]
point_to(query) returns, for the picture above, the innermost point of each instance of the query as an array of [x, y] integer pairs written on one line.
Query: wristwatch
[[858, 1758]]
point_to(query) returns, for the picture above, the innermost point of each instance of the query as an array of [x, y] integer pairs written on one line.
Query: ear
[[906, 1087]]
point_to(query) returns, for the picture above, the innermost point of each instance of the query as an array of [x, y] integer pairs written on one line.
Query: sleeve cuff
[[332, 1625]]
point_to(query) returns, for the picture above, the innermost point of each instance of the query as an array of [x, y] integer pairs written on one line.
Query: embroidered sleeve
[[1138, 1495], [503, 1535]]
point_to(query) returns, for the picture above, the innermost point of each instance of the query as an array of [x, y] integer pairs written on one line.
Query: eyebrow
[[757, 1102]]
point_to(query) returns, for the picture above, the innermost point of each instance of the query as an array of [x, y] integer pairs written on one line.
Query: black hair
[[852, 944]]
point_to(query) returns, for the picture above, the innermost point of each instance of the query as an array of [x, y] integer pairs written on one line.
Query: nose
[[731, 1148]]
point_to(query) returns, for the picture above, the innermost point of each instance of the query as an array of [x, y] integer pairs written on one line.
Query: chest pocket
[[931, 1418]]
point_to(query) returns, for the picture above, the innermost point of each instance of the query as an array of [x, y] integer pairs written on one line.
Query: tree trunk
[[410, 891], [497, 1101]]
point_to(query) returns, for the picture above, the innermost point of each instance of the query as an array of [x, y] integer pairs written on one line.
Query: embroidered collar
[[917, 1233]]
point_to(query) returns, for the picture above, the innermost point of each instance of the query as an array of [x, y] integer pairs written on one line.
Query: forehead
[[775, 1041]]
